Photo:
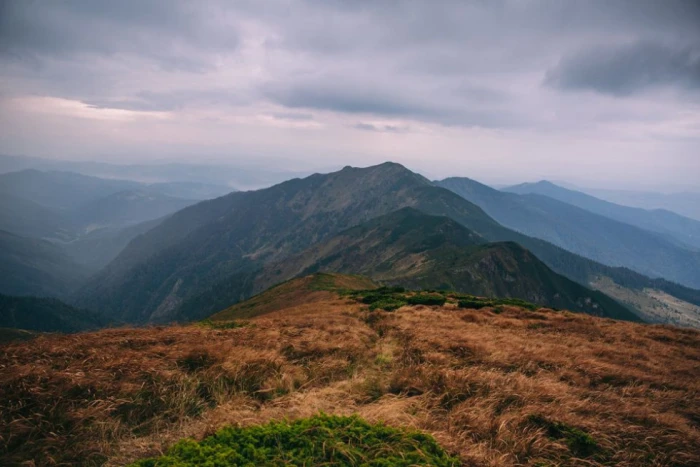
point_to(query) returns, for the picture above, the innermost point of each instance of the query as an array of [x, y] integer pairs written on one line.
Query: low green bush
[[429, 299], [475, 304], [320, 440], [372, 297]]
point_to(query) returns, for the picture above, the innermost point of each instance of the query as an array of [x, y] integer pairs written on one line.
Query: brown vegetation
[[510, 388]]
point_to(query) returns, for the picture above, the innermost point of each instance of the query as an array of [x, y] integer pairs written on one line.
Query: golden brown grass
[[515, 388]]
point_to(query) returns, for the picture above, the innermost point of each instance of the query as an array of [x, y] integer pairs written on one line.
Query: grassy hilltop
[[504, 384]]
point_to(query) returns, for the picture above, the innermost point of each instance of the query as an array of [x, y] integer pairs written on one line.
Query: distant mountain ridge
[[585, 233], [684, 203], [222, 175], [683, 229]]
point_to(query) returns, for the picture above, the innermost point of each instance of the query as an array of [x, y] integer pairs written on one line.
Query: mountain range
[[90, 219], [240, 233], [138, 254], [684, 230], [591, 235], [686, 203], [212, 178]]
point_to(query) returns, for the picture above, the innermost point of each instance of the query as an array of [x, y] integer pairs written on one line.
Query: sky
[[598, 93]]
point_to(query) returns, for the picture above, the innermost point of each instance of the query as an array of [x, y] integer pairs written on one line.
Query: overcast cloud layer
[[502, 91]]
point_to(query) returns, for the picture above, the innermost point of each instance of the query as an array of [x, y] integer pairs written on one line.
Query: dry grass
[[514, 388]]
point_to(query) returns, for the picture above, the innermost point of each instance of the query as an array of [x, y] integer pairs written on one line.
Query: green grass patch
[[320, 440]]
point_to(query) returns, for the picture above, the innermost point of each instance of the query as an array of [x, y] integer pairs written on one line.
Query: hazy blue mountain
[[203, 244], [29, 219], [683, 229], [416, 250], [590, 235], [36, 267], [61, 190], [127, 208], [240, 176], [684, 203], [45, 315], [71, 191], [190, 190], [92, 218]]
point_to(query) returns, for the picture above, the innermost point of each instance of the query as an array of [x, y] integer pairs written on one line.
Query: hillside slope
[[590, 235], [36, 267], [683, 229], [29, 219], [499, 387], [416, 250]]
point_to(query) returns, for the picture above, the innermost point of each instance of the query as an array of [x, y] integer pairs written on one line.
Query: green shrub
[[429, 299], [372, 298], [320, 440], [475, 304]]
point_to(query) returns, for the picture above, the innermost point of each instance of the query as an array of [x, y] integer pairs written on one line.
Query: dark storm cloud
[[391, 100], [629, 68], [162, 31], [345, 98]]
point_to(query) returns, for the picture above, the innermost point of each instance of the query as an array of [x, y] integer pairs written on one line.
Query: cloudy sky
[[592, 91]]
